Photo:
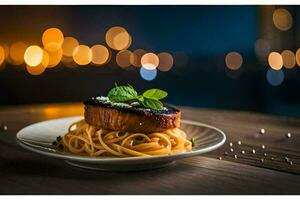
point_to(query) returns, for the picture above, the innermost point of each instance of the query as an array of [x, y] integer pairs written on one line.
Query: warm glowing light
[[150, 61], [52, 39], [69, 45], [82, 55], [233, 60], [165, 61], [39, 69], [148, 75], [137, 56], [2, 54], [16, 52], [100, 54], [275, 77], [298, 57], [288, 58], [54, 58], [118, 38], [123, 58], [282, 19], [275, 60], [33, 55]]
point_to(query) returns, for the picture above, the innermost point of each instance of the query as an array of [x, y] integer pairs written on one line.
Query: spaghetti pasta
[[84, 139]]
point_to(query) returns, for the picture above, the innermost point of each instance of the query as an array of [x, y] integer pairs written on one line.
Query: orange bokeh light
[[54, 58], [69, 45], [288, 58], [123, 58], [39, 69], [298, 57], [165, 61], [150, 61], [233, 60], [52, 39], [100, 54], [275, 60], [118, 38], [282, 19], [33, 55], [16, 52], [82, 55], [137, 56], [2, 54]]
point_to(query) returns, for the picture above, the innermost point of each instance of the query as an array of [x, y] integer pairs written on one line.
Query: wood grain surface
[[24, 172]]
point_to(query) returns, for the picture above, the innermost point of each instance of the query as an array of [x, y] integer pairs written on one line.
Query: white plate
[[38, 138]]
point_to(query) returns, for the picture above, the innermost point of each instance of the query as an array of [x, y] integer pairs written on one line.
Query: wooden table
[[24, 172]]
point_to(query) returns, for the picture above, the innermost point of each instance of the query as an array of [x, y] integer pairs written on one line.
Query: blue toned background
[[198, 37]]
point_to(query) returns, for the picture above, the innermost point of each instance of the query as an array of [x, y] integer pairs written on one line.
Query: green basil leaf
[[122, 93], [152, 103], [155, 94]]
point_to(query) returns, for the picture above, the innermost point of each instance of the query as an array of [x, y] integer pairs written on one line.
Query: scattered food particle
[[235, 156], [253, 151], [291, 162], [220, 158], [5, 127], [272, 158], [225, 153], [231, 149], [230, 144], [262, 131], [262, 160], [263, 146], [286, 159], [288, 135], [265, 154], [243, 152], [239, 142]]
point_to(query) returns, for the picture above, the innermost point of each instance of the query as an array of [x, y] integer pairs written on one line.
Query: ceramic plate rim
[[42, 150]]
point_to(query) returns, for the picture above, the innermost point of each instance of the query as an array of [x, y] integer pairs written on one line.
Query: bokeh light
[[33, 55], [275, 77], [262, 48], [147, 74], [54, 58], [68, 46], [298, 57], [118, 38], [39, 69], [233, 60], [137, 56], [52, 39], [100, 54], [275, 60], [150, 61], [16, 52], [123, 58], [2, 55], [165, 61], [288, 58], [82, 55], [282, 19]]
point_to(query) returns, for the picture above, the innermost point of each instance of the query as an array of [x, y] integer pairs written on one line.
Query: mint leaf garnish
[[155, 94], [149, 99], [122, 93]]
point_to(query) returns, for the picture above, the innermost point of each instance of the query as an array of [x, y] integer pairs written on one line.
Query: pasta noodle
[[84, 139]]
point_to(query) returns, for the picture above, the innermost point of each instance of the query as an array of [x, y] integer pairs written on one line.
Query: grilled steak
[[102, 113]]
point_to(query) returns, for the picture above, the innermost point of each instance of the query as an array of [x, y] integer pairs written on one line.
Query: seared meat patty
[[100, 112]]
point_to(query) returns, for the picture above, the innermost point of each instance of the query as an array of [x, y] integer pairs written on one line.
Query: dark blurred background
[[201, 40]]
